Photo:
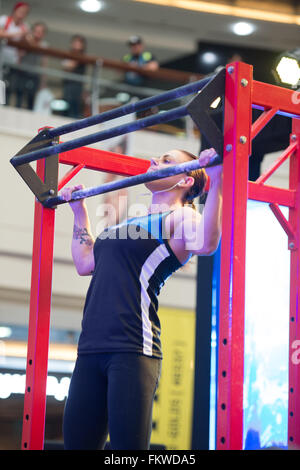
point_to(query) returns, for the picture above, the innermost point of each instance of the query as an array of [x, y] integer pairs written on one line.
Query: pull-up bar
[[132, 181], [159, 118], [46, 144], [99, 136], [130, 108]]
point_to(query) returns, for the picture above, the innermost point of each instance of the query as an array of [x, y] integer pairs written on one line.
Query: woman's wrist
[[80, 211], [216, 180]]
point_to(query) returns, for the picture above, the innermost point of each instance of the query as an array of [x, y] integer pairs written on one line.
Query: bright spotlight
[[287, 69]]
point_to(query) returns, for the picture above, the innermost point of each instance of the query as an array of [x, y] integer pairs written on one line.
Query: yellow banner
[[173, 405]]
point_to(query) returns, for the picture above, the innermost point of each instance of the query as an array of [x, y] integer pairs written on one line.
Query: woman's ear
[[185, 182], [189, 181]]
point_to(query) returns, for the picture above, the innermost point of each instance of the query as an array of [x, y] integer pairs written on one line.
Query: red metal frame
[[240, 95], [39, 325], [294, 333], [237, 189], [237, 126], [105, 161]]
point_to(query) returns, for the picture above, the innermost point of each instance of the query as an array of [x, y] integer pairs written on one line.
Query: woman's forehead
[[176, 154]]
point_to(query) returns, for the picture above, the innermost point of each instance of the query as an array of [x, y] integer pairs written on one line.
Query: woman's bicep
[[193, 234], [186, 236]]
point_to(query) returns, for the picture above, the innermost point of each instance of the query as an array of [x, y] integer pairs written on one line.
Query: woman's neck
[[163, 203]]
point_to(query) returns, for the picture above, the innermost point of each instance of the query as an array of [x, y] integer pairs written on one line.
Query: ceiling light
[[242, 28], [209, 57], [90, 6]]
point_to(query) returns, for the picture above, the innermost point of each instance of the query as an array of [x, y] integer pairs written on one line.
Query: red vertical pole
[[294, 320], [39, 325], [237, 144]]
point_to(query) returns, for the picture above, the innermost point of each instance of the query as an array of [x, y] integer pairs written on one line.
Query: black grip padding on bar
[[200, 107]]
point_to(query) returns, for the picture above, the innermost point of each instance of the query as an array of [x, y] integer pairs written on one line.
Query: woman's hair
[[200, 180]]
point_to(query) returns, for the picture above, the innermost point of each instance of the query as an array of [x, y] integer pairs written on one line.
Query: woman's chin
[[149, 186]]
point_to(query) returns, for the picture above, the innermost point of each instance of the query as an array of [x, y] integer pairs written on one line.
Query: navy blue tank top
[[132, 262]]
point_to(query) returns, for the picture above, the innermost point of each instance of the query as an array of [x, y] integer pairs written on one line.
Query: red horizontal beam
[[102, 160], [270, 194], [268, 96]]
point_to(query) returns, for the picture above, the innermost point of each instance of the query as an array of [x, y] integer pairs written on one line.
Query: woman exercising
[[119, 352]]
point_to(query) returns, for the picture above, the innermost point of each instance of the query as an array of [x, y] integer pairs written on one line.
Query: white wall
[[17, 128]]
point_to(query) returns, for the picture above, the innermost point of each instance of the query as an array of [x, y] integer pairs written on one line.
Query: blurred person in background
[[29, 83], [73, 90], [140, 57], [12, 27]]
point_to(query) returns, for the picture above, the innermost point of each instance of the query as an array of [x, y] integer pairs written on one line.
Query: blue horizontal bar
[[132, 181], [130, 108], [164, 116]]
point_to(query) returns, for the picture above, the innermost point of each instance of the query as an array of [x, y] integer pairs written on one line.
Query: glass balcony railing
[[43, 85]]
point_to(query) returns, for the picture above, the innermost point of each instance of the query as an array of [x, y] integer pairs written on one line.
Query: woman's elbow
[[85, 269], [209, 249], [83, 272], [213, 247]]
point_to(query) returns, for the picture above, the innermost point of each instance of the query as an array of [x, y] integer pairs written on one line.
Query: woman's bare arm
[[195, 233], [83, 241]]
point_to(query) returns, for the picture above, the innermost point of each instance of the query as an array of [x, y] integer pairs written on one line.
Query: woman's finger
[[66, 193]]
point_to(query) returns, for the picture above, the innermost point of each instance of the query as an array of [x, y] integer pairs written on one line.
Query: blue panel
[[266, 330]]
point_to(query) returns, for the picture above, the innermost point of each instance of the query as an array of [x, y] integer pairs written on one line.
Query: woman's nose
[[154, 162]]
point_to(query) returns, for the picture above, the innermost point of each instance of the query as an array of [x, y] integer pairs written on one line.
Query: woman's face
[[171, 158]]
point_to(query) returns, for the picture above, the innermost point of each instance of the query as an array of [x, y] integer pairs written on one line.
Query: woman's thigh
[[85, 416], [132, 382]]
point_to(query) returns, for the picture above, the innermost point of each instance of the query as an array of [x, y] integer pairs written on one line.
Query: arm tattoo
[[83, 235]]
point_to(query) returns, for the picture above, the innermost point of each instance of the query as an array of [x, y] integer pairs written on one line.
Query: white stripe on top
[[150, 265]]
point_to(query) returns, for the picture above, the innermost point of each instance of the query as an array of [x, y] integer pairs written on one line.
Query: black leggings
[[111, 393]]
